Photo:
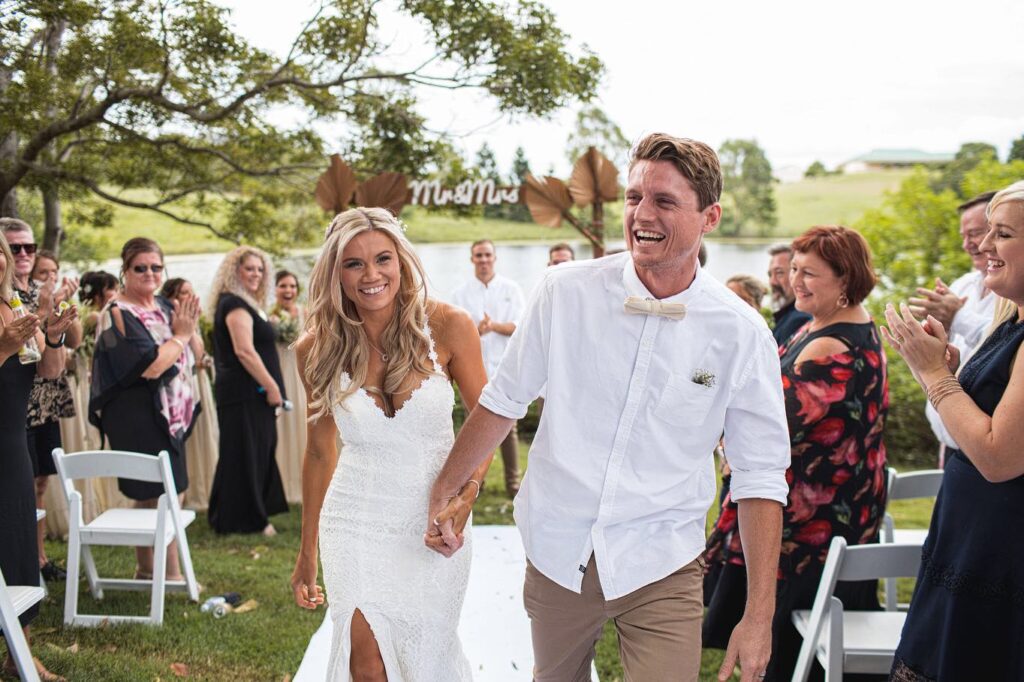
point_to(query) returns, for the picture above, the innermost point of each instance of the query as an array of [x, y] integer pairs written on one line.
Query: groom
[[647, 361]]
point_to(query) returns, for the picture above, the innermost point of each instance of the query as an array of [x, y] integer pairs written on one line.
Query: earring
[[843, 300]]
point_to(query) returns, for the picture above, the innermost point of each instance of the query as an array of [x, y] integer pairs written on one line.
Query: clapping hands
[[924, 346], [186, 315], [14, 334]]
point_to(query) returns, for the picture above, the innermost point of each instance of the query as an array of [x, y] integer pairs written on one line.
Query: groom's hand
[[443, 534], [750, 646]]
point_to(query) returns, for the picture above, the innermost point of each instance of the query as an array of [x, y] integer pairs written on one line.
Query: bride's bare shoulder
[[449, 322]]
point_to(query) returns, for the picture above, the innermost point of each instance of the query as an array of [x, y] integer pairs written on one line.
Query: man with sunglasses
[[50, 399]]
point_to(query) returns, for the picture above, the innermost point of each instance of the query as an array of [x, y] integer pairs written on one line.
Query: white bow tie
[[636, 305]]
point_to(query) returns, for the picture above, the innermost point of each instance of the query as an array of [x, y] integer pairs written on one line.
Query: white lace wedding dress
[[371, 537]]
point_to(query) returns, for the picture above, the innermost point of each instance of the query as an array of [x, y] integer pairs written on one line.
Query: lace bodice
[[371, 535]]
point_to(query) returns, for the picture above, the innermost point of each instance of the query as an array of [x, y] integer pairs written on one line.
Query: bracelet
[[60, 341], [943, 388], [178, 341], [476, 483]]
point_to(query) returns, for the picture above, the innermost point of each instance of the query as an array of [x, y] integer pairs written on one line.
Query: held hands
[[751, 646], [14, 335], [307, 593], [924, 347], [186, 316], [940, 303], [446, 521]]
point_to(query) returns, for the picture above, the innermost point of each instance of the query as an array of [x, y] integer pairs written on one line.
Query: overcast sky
[[808, 80]]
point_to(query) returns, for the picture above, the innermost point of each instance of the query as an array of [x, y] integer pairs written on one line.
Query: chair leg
[[185, 556], [21, 653], [156, 609], [91, 573], [71, 588]]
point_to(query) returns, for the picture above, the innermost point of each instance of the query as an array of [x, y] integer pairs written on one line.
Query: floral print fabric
[[836, 407], [50, 399]]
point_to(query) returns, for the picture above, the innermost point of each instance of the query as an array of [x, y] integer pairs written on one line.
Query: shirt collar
[[634, 287]]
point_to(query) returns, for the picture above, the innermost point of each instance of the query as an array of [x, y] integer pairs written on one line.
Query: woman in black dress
[[17, 493], [143, 396], [966, 619], [247, 486]]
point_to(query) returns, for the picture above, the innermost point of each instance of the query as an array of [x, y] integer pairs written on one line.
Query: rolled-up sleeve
[[522, 372], [756, 433]]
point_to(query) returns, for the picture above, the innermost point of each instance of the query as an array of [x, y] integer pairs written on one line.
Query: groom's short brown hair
[[697, 162]]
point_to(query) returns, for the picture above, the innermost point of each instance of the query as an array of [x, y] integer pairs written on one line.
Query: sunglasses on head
[[29, 249], [141, 269]]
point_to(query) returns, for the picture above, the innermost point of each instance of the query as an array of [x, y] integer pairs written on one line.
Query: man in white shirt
[[965, 307], [495, 304], [647, 360]]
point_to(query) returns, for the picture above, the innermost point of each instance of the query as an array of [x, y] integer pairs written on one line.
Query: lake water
[[448, 265]]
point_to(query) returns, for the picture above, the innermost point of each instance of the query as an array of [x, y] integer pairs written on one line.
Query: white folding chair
[[853, 641], [14, 601], [124, 527], [40, 515], [909, 486]]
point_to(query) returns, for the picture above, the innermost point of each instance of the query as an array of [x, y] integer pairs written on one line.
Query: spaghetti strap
[[432, 352]]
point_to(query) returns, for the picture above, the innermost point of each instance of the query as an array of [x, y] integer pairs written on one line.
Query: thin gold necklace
[[382, 354]]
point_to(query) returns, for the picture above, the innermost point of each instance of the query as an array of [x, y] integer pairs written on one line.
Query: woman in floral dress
[[836, 392]]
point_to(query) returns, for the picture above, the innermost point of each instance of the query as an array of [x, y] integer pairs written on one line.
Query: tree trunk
[[8, 150], [53, 233]]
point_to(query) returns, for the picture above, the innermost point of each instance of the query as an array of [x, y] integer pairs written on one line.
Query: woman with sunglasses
[[143, 396], [247, 488], [51, 399]]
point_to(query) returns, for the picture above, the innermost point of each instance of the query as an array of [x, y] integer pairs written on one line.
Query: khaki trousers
[[658, 626], [510, 460]]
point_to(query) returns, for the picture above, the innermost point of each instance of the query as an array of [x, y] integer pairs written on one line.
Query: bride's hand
[[444, 531], [307, 593]]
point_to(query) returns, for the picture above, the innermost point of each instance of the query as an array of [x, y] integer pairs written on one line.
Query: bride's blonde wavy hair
[[339, 339], [227, 281]]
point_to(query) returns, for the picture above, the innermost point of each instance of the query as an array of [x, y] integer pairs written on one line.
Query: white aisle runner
[[494, 628]]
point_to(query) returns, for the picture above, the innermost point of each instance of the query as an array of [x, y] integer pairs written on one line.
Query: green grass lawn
[[267, 643]]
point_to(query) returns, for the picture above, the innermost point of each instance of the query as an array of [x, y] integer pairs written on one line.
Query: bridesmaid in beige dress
[[288, 318], [201, 447]]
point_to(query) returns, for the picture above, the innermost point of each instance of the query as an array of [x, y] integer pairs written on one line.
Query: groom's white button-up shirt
[[622, 465]]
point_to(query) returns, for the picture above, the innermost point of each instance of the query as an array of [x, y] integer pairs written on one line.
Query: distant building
[[890, 159]]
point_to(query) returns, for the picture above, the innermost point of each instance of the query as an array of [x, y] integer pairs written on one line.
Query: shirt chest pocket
[[685, 403]]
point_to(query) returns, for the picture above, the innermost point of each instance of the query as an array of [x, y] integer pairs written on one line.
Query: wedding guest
[[836, 391], [248, 389], [750, 289], [495, 303], [143, 396], [96, 289], [50, 399], [288, 318], [560, 253], [612, 509], [46, 267], [965, 307], [966, 620], [788, 318], [18, 527], [201, 449]]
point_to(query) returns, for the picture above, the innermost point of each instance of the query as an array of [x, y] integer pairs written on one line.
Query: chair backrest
[[915, 484], [99, 463], [860, 562]]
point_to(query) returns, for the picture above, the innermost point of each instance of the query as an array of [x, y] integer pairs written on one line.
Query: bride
[[377, 361]]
